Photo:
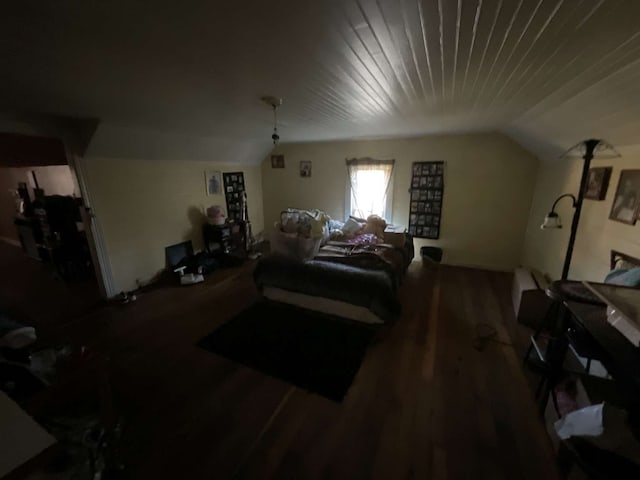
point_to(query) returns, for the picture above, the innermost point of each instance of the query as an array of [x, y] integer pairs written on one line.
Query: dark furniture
[[622, 361], [561, 328], [577, 319], [618, 355], [229, 238], [553, 336], [51, 233]]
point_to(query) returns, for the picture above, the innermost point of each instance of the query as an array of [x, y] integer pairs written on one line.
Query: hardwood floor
[[426, 403], [31, 291]]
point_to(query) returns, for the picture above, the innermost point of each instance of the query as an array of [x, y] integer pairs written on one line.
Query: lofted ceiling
[[547, 72]]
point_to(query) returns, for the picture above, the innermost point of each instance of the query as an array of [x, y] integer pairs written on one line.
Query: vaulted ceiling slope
[[547, 72]]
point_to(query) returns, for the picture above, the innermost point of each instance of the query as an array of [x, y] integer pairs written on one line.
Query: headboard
[[622, 257]]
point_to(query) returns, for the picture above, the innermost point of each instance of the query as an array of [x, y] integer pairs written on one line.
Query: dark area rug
[[316, 352]]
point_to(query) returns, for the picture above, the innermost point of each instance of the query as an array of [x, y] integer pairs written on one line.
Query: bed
[[358, 281]]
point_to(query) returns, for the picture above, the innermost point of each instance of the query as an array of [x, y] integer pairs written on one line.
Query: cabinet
[[229, 238]]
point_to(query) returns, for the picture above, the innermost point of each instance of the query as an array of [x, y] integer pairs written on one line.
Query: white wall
[[143, 206], [489, 183], [596, 236]]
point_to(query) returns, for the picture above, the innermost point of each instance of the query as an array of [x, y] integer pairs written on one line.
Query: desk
[[619, 356]]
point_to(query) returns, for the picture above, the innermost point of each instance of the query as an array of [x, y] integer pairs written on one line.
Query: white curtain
[[370, 180]]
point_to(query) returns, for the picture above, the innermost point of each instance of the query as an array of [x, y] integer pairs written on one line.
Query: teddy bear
[[376, 225]]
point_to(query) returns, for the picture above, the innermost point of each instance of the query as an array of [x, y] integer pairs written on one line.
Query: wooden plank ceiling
[[547, 72]]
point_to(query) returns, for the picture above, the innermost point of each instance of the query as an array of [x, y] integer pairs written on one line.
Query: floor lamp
[[587, 150]]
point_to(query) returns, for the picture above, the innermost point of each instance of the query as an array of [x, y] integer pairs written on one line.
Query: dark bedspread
[[373, 289], [381, 256]]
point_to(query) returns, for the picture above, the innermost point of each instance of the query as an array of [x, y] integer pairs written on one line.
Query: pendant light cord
[[275, 137]]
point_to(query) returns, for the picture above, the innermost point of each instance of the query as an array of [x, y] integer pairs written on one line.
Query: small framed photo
[[597, 183], [305, 168], [277, 161], [627, 198], [213, 182], [229, 188]]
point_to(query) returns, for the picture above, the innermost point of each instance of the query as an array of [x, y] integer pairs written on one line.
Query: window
[[369, 187]]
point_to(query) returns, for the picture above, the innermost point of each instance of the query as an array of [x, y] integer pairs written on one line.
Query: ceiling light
[[275, 102]]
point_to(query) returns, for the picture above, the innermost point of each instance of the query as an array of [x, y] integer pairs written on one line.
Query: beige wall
[[597, 235], [143, 206], [489, 183], [55, 180]]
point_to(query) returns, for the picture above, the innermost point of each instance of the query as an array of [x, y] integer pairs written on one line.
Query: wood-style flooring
[[33, 292], [426, 403]]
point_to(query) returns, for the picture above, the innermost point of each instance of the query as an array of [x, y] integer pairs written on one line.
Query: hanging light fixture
[[275, 102]]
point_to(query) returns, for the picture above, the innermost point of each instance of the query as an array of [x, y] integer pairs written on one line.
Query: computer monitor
[[176, 253]]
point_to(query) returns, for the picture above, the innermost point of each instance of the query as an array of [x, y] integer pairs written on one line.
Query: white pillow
[[351, 227]]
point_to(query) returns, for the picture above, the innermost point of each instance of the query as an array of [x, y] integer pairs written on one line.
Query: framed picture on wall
[[597, 183], [213, 182], [625, 203], [305, 168], [427, 185], [277, 161]]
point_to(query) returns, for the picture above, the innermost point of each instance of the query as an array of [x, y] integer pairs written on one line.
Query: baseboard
[[492, 268], [10, 241]]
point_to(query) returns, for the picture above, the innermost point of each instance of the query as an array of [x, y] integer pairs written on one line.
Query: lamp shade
[[552, 220], [593, 148]]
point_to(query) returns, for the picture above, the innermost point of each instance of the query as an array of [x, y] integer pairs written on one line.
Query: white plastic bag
[[586, 421], [294, 246]]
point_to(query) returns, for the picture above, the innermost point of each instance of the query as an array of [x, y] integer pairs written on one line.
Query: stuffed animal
[[376, 225], [337, 234]]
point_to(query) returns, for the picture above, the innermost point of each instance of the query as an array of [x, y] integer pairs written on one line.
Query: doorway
[[49, 268]]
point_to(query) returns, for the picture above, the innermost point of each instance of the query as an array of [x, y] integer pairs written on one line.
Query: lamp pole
[[590, 146]]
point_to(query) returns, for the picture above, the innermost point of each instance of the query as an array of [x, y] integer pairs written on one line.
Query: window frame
[[388, 204]]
